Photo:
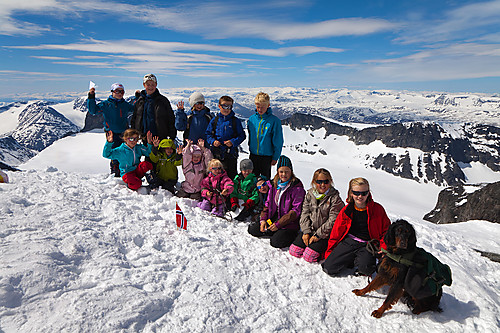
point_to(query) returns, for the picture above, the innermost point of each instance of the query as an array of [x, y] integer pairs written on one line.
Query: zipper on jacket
[[258, 134]]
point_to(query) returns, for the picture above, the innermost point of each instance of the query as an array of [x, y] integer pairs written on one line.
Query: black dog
[[396, 269]]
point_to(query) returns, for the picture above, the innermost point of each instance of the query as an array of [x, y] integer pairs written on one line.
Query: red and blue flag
[[180, 218]]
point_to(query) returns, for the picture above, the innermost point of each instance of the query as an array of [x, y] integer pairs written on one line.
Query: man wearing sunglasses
[[153, 112], [224, 135], [115, 111]]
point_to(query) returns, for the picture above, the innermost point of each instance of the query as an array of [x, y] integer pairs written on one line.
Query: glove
[[234, 203], [249, 204]]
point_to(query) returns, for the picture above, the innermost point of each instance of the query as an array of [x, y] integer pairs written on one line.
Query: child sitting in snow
[[195, 160], [262, 186], [128, 155], [166, 161], [321, 206], [245, 189], [215, 189]]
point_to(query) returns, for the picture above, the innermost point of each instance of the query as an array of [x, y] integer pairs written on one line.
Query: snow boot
[[243, 215], [152, 179]]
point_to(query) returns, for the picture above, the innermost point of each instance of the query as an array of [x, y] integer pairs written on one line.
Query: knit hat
[[195, 150], [167, 143], [149, 77], [246, 164], [195, 98], [284, 161], [115, 86]]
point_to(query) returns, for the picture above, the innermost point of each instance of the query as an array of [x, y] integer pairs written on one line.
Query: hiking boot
[[243, 215], [152, 179]]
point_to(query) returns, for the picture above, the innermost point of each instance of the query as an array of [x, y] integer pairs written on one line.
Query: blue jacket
[[128, 158], [197, 125], [223, 132], [265, 135], [116, 112]]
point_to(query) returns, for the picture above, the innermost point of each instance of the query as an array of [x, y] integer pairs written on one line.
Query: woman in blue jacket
[[115, 111]]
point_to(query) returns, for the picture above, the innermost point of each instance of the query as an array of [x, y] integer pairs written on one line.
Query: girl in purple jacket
[[215, 189], [280, 217]]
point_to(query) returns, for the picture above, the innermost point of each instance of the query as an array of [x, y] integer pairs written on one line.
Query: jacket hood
[[167, 143]]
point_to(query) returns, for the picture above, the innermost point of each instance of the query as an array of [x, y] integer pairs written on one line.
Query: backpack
[[426, 276], [190, 119]]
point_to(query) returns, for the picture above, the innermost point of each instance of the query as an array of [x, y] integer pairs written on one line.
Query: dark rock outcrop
[[460, 204]]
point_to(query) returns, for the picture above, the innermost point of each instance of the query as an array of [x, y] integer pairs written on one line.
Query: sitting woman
[[360, 221], [215, 189], [280, 217], [319, 211]]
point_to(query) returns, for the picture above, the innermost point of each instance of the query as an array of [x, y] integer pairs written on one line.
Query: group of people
[[315, 225]]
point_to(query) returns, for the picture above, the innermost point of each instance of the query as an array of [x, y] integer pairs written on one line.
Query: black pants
[[349, 253], [117, 141], [261, 165], [230, 163], [320, 246], [279, 238], [168, 185]]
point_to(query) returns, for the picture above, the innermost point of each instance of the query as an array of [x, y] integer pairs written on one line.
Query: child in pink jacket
[[195, 160], [215, 189]]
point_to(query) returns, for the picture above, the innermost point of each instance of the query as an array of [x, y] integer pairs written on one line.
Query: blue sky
[[52, 47]]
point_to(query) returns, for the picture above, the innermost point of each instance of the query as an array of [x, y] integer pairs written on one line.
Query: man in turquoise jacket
[[265, 137]]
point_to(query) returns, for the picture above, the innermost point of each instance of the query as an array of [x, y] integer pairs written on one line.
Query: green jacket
[[166, 167], [245, 188]]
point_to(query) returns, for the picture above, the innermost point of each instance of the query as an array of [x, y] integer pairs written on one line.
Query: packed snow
[[82, 253]]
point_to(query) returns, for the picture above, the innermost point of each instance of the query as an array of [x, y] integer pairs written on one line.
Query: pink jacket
[[194, 173], [216, 184]]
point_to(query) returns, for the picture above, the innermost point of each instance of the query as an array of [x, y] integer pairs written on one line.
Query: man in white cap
[[195, 122], [115, 111], [153, 112]]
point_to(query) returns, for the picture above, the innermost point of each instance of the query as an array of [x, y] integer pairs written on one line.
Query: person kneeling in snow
[[166, 161], [129, 155], [321, 206], [215, 189], [195, 160], [245, 188], [280, 217]]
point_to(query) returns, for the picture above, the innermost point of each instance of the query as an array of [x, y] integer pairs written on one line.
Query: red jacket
[[378, 223]]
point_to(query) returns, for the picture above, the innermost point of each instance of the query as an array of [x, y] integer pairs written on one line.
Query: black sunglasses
[[199, 103], [324, 181], [119, 91], [363, 193]]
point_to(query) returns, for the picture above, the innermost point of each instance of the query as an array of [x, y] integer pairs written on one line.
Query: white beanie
[[195, 98], [115, 86]]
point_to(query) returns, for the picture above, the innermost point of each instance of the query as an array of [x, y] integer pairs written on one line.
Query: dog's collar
[[404, 259]]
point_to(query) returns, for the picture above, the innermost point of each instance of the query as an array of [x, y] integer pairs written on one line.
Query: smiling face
[[150, 86], [196, 158], [169, 151], [131, 141], [118, 93], [359, 195], [322, 183], [225, 108], [262, 186], [284, 173], [199, 106]]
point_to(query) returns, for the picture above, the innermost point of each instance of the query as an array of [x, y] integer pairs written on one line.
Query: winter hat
[[261, 178], [149, 77], [246, 164], [195, 98], [284, 161], [167, 143], [115, 86], [195, 150]]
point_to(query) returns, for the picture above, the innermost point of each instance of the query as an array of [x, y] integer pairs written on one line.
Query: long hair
[[214, 163], [321, 171], [358, 181]]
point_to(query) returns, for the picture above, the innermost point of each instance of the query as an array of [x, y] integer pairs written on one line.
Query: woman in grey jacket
[[319, 211]]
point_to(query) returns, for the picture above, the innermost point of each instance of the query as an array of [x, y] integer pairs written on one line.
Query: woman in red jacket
[[357, 223]]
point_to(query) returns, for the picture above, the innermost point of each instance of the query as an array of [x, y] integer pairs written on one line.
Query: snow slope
[[81, 253]]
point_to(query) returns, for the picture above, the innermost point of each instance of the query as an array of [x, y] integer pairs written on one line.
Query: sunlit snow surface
[[82, 253]]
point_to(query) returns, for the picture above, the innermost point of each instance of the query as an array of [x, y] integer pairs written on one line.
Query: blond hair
[[214, 163], [321, 171], [358, 181], [262, 98]]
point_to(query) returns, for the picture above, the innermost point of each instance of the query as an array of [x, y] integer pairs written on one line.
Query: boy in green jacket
[[245, 188], [166, 160]]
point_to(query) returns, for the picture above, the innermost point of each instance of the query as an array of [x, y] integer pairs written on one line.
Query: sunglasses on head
[[226, 106], [362, 193], [119, 91], [324, 181], [132, 139]]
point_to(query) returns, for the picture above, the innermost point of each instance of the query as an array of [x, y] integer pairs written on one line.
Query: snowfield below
[[82, 253]]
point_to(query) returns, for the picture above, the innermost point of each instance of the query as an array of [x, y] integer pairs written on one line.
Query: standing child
[[195, 123], [215, 189], [265, 136], [245, 188], [195, 160], [166, 161], [280, 217], [224, 135], [129, 156], [115, 111], [321, 206]]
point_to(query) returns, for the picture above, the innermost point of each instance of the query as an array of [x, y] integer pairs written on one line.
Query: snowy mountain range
[[82, 253]]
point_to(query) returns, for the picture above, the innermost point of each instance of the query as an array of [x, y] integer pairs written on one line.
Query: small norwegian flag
[[180, 219]]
